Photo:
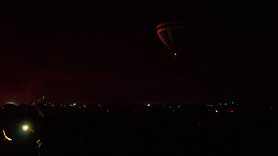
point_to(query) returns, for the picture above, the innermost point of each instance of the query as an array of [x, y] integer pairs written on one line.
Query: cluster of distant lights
[[62, 105], [149, 105], [79, 106], [222, 104], [210, 109], [67, 105]]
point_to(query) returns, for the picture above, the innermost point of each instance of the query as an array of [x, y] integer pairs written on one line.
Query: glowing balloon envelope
[[171, 34]]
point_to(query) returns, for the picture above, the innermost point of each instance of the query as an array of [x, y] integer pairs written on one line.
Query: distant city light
[[216, 111], [220, 104], [170, 107], [107, 110], [179, 106], [149, 105], [74, 104], [211, 105], [225, 104], [233, 102]]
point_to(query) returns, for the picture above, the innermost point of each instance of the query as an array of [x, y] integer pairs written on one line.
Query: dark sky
[[109, 52]]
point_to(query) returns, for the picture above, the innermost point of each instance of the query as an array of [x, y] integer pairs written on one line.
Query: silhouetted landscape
[[172, 129]]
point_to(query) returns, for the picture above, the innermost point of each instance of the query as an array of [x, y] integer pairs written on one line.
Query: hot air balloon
[[171, 34]]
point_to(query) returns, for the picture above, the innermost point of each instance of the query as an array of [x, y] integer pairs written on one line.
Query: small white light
[[216, 111], [148, 105]]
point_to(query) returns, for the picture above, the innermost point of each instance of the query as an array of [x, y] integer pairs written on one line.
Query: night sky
[[108, 51]]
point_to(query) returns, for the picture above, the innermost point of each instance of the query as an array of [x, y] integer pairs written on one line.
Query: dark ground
[[153, 133]]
